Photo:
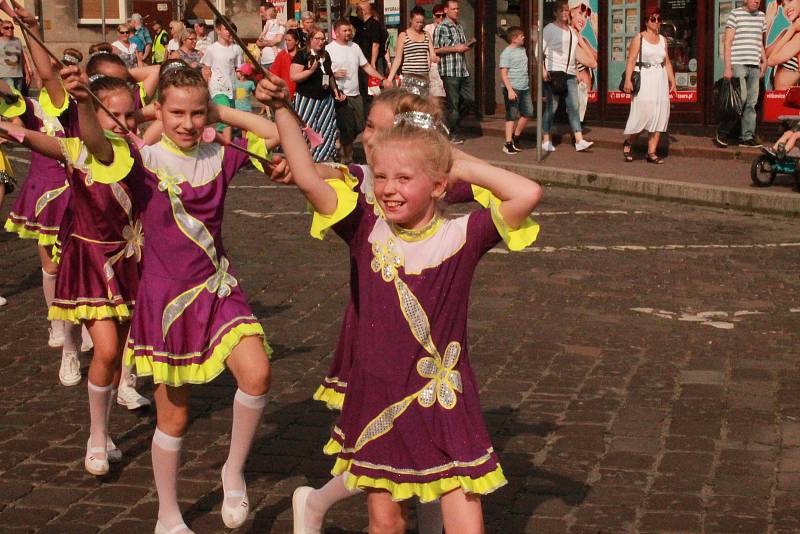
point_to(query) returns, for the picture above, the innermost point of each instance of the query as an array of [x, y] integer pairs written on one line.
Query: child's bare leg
[[249, 363], [462, 513], [385, 515], [172, 416]]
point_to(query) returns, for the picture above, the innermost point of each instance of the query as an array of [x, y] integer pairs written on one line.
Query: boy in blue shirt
[[516, 88]]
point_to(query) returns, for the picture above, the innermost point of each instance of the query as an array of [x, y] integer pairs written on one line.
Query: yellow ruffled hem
[[203, 373], [332, 398], [80, 313], [517, 239], [425, 491], [257, 146], [45, 240], [47, 103], [347, 200]]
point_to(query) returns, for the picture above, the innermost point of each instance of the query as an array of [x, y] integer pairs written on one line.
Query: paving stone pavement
[[638, 371]]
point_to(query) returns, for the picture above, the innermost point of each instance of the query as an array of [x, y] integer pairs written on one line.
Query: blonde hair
[[401, 101], [431, 147]]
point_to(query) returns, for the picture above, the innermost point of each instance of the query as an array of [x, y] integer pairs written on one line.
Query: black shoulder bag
[[636, 77], [558, 79]]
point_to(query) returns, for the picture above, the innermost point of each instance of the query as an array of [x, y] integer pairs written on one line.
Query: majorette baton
[[138, 141], [313, 137]]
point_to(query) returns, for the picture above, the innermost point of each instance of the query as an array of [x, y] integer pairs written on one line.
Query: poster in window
[[583, 16], [783, 50]]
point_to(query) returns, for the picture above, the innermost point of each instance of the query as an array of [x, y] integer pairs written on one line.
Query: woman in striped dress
[[414, 50], [314, 93]]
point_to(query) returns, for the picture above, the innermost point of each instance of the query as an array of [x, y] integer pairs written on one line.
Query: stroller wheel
[[763, 172]]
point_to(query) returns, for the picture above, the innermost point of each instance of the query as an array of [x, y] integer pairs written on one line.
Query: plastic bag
[[729, 99]]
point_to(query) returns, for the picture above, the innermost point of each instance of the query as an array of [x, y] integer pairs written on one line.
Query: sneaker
[[516, 142], [127, 395], [456, 140], [719, 142], [548, 147], [70, 371], [752, 143], [582, 145], [55, 334], [509, 148]]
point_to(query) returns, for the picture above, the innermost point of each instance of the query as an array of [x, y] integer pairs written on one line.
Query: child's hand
[[280, 171], [75, 82], [272, 91], [26, 16]]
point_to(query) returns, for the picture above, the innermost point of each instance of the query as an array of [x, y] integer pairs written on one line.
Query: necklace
[[420, 233]]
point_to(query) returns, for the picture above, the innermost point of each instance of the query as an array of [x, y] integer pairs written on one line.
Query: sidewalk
[[695, 170]]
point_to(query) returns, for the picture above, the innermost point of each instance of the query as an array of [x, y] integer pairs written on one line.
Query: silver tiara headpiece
[[174, 65], [94, 77], [70, 59], [98, 52], [420, 119], [415, 85]]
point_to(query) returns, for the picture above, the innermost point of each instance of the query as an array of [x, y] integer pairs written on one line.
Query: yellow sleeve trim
[[47, 103], [332, 398], [89, 313], [347, 200], [119, 168], [482, 196], [203, 373], [425, 491], [517, 239], [258, 146], [9, 111], [143, 94]]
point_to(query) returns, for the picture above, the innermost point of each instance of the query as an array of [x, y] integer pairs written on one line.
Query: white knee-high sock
[[429, 518], [247, 410], [49, 287], [166, 455], [320, 500], [99, 399]]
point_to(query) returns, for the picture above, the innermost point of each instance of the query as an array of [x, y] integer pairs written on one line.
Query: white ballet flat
[[234, 516], [177, 529], [93, 463], [113, 453], [299, 498]]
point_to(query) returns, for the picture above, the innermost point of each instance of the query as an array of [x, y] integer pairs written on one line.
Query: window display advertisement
[[783, 50], [624, 25], [583, 17]]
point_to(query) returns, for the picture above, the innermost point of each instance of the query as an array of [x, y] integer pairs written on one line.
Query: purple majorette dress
[[411, 422], [101, 243], [39, 209], [332, 389], [191, 310]]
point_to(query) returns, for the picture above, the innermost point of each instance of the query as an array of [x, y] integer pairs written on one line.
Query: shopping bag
[[729, 99]]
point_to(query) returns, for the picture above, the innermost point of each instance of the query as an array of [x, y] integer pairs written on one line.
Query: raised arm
[[245, 120], [271, 91], [148, 77], [38, 142], [92, 133], [518, 195], [41, 60]]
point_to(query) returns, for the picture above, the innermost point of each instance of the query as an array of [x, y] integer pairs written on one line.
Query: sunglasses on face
[[585, 9], [124, 32], [655, 18]]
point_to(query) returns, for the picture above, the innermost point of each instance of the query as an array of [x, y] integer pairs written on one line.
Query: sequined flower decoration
[[134, 240], [222, 281], [445, 380], [169, 183], [386, 260]]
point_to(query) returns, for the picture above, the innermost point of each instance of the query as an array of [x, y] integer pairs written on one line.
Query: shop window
[[91, 11], [679, 27], [624, 24]]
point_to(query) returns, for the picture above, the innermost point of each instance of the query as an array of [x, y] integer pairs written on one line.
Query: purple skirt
[[38, 210], [333, 387]]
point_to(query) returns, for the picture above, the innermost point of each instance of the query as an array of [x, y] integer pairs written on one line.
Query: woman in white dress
[[650, 106]]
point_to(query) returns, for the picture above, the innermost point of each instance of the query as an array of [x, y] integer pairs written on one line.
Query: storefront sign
[[391, 12], [678, 97]]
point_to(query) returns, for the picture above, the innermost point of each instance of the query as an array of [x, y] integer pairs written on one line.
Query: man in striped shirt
[[451, 46], [745, 59]]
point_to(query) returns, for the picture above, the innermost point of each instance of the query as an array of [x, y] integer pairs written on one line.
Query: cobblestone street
[[638, 369]]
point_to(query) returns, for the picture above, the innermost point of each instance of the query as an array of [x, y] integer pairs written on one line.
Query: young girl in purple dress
[[411, 422], [193, 319]]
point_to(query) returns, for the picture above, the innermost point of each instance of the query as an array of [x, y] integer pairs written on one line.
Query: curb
[[755, 200]]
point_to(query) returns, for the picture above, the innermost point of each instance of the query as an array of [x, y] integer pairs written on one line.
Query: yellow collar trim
[[420, 234], [170, 145]]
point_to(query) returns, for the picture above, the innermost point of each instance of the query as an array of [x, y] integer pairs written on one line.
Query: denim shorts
[[521, 106]]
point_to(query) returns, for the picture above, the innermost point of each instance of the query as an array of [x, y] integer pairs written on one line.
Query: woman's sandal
[[627, 151], [653, 158]]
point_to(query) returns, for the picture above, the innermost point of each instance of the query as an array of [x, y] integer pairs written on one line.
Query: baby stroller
[[776, 160]]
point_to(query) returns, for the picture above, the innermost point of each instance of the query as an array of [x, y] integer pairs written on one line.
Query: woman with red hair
[[650, 105]]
